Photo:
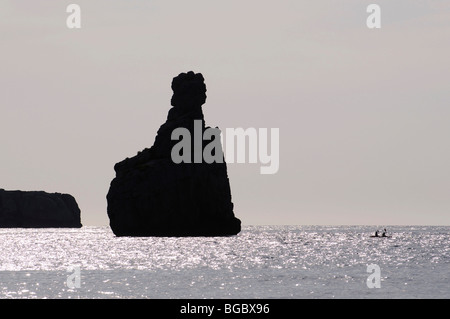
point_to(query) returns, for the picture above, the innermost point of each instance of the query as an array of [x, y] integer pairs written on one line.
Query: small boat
[[382, 235]]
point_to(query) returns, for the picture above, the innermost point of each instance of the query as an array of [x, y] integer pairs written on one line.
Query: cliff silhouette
[[38, 209], [153, 196]]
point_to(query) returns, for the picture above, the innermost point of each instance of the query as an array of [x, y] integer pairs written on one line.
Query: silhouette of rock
[[153, 196], [38, 209]]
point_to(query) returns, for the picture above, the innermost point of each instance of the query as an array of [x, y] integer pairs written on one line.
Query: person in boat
[[376, 233], [384, 233]]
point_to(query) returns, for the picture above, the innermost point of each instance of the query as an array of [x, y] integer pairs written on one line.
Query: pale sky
[[363, 114]]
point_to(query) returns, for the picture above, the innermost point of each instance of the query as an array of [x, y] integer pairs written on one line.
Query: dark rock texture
[[153, 196], [38, 209]]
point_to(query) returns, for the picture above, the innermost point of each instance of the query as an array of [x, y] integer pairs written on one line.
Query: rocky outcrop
[[152, 195], [38, 209]]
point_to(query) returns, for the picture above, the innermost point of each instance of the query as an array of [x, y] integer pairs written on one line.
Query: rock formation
[[38, 209], [152, 195]]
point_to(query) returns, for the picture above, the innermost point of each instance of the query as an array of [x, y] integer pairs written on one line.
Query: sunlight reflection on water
[[261, 261]]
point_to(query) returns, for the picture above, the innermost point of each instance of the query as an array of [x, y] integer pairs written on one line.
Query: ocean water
[[261, 262]]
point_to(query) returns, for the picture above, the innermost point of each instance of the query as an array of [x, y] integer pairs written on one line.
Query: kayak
[[380, 236]]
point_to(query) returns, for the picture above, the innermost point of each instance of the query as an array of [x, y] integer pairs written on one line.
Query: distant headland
[[38, 209]]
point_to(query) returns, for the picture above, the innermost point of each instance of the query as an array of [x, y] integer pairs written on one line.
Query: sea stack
[[155, 195], [38, 209]]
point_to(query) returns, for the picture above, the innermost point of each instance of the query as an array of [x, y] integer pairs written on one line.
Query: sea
[[275, 262]]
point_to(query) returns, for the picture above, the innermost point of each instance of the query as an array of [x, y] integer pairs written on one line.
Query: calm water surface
[[260, 262]]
